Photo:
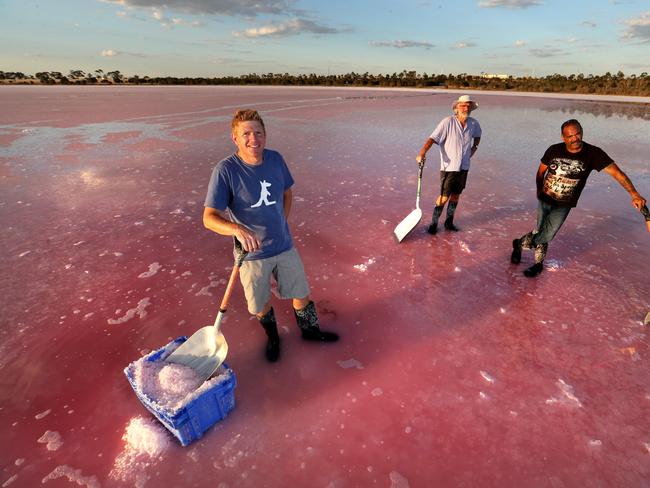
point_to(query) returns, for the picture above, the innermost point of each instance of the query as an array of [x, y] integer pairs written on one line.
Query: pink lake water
[[453, 369]]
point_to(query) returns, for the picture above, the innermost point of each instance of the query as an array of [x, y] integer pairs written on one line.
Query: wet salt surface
[[453, 368]]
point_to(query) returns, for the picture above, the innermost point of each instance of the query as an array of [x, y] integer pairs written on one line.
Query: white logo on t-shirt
[[264, 195]]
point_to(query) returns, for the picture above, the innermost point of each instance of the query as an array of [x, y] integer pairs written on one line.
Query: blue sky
[[232, 37]]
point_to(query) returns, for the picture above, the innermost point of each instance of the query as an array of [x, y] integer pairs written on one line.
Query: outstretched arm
[[422, 156], [617, 173], [215, 221], [637, 200]]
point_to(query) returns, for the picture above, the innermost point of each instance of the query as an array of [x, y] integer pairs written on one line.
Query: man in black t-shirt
[[561, 176]]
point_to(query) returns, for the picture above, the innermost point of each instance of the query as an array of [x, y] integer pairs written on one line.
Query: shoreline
[[565, 96]]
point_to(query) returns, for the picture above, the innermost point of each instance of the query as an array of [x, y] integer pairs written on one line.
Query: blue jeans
[[549, 220]]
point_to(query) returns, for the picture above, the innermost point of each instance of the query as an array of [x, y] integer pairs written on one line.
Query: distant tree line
[[607, 84]]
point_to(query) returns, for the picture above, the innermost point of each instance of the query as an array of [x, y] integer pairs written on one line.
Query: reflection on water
[[609, 109]]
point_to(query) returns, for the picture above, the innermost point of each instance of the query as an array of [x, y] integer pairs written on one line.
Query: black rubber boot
[[449, 224], [433, 228], [270, 326], [515, 257], [534, 270], [307, 320], [540, 255]]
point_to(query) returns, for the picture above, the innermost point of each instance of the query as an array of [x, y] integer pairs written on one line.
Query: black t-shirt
[[568, 172]]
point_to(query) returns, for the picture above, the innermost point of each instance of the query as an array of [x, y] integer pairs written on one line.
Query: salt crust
[[170, 386]]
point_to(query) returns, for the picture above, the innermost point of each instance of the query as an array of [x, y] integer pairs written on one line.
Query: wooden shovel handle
[[239, 259]]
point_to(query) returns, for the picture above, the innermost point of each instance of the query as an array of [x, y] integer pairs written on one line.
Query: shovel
[[207, 348], [412, 219]]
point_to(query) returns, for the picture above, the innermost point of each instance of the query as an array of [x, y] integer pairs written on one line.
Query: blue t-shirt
[[455, 142], [254, 197]]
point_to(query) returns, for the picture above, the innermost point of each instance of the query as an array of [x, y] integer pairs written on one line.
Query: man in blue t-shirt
[[561, 177], [249, 197]]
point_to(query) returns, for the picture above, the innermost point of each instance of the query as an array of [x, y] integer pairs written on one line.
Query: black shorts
[[452, 182]]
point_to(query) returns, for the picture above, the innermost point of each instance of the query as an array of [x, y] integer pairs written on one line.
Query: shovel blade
[[408, 224], [204, 351]]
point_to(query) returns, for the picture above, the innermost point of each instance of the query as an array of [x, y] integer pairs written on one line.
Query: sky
[[234, 37]]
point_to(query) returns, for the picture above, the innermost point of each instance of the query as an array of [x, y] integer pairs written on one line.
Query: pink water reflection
[[453, 368]]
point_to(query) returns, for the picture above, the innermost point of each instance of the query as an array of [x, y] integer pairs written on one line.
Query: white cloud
[[464, 45], [638, 29], [109, 53], [213, 7], [288, 28], [520, 43], [400, 44], [165, 21], [510, 3]]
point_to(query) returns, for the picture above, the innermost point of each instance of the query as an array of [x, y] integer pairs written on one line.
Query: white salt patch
[[24, 254], [10, 480], [647, 446], [42, 414], [482, 395], [153, 269], [397, 480], [78, 243], [377, 392], [457, 269], [19, 461], [408, 429], [73, 475], [568, 397], [595, 442], [502, 310], [364, 266], [465, 248], [146, 442], [51, 439], [350, 363], [487, 377], [140, 311], [206, 289], [178, 211], [552, 265]]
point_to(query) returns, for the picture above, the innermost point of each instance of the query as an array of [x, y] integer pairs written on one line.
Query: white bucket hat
[[465, 99]]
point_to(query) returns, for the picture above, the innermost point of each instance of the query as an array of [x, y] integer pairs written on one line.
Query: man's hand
[[248, 239], [638, 201], [421, 159]]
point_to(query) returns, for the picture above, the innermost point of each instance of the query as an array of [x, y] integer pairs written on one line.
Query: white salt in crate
[[193, 419]]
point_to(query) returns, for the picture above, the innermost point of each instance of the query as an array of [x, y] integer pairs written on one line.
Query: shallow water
[[453, 368]]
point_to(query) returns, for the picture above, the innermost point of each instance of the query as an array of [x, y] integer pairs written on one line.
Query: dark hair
[[572, 122], [245, 115]]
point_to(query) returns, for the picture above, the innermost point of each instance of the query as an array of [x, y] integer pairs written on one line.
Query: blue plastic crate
[[194, 419]]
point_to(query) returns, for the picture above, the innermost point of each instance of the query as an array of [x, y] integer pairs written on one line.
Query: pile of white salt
[[171, 386]]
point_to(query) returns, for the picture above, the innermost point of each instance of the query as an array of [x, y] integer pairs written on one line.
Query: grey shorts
[[287, 270], [453, 182]]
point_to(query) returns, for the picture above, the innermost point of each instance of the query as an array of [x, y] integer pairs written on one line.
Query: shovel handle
[[240, 254], [420, 170]]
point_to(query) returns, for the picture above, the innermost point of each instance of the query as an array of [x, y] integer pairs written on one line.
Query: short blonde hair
[[245, 115]]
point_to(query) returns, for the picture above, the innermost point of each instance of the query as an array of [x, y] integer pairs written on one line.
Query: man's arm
[[477, 140], [539, 177], [288, 200], [617, 173], [422, 157], [215, 221]]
